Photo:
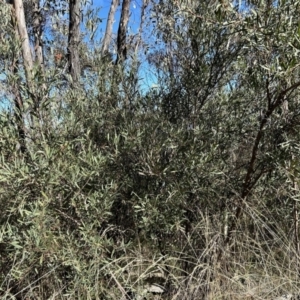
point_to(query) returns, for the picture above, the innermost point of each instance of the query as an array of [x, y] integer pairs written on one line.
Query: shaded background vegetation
[[108, 189]]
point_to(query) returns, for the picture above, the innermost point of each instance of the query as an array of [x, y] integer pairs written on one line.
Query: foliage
[[192, 186]]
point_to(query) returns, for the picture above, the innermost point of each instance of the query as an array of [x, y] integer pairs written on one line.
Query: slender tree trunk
[[121, 39], [109, 25], [38, 30], [252, 176], [27, 57], [39, 56], [18, 101], [74, 40], [139, 37]]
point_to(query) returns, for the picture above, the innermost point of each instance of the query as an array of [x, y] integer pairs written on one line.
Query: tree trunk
[[139, 37], [109, 25], [121, 39], [18, 101], [38, 30], [74, 40], [27, 57]]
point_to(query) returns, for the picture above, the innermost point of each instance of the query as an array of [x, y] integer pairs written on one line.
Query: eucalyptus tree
[[230, 79], [108, 31], [122, 31], [186, 172], [270, 79], [75, 12], [15, 34]]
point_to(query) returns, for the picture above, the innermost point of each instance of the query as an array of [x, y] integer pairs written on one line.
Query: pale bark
[[27, 57], [109, 26], [18, 101], [122, 31], [139, 37], [74, 40]]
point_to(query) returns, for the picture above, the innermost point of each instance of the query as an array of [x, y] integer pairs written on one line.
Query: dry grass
[[259, 263]]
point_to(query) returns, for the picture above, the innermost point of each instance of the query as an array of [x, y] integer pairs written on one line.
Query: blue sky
[[104, 5], [134, 17], [147, 77], [135, 13]]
